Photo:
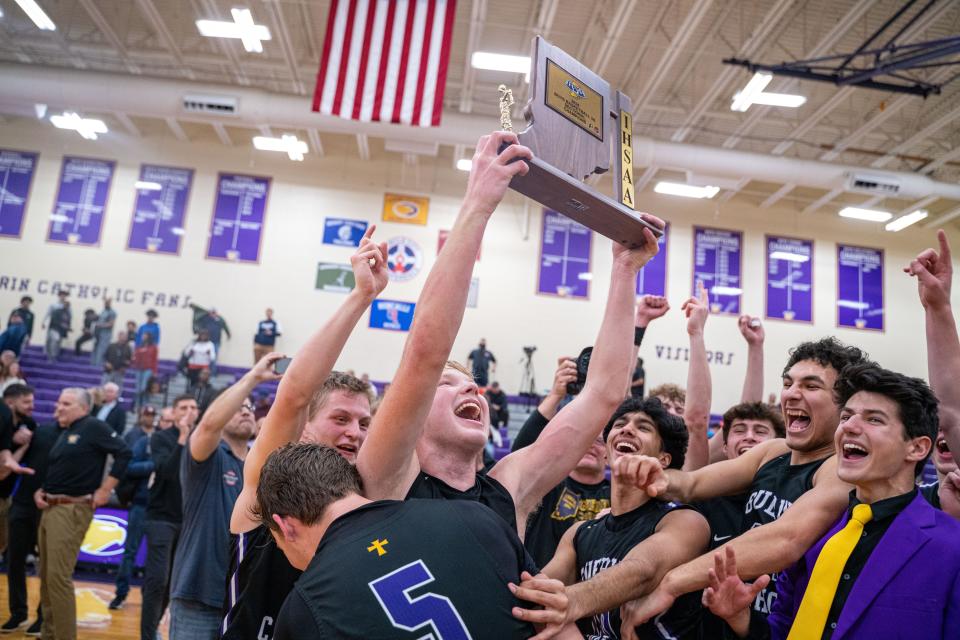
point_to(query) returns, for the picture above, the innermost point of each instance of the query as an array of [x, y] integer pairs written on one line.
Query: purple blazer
[[909, 588]]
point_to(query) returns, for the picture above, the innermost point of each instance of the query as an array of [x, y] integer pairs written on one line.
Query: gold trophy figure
[[506, 102]]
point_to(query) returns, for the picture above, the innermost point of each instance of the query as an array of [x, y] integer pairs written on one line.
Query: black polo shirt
[[36, 458], [77, 459], [8, 427]]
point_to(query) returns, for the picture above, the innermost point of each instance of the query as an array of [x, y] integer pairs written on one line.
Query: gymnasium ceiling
[[665, 54]]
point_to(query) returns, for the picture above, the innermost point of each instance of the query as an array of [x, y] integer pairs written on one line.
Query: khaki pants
[[259, 351], [4, 510], [62, 529]]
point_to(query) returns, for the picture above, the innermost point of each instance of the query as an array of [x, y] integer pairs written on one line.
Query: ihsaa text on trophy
[[575, 123]]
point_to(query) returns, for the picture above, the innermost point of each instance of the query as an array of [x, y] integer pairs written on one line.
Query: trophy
[[575, 123]]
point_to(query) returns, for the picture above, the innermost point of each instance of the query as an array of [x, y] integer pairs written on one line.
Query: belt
[[54, 499]]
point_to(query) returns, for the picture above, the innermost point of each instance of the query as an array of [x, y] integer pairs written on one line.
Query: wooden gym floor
[[94, 620]]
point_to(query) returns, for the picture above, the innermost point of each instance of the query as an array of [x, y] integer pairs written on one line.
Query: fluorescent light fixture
[[35, 13], [871, 215], [905, 221], [753, 94], [288, 144], [242, 27], [789, 257], [779, 100], [143, 185], [726, 291], [852, 304], [465, 164], [686, 190], [500, 62], [86, 127]]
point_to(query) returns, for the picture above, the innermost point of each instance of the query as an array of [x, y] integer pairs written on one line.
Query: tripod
[[528, 383]]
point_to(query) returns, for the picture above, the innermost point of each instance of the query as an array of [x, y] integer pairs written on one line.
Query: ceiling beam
[[150, 12], [949, 156], [919, 204], [822, 200], [619, 22], [208, 10], [942, 220], [951, 117], [222, 134], [363, 146], [778, 195], [749, 48], [176, 129], [104, 26], [640, 48], [477, 19], [314, 136], [127, 123], [275, 9]]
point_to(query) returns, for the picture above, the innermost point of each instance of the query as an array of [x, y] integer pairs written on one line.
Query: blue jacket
[[141, 467]]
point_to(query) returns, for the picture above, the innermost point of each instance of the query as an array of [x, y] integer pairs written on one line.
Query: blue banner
[[81, 201], [343, 232], [16, 175], [789, 279], [236, 230], [652, 279], [859, 287], [564, 257], [393, 315], [717, 259], [159, 210]]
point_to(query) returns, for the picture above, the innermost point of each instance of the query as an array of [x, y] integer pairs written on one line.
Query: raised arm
[[307, 372], [934, 273], [649, 308], [680, 536], [387, 462], [696, 412], [531, 472], [563, 564], [204, 440], [725, 478], [752, 331], [761, 550]]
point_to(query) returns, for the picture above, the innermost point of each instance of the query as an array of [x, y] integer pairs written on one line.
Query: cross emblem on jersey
[[379, 545]]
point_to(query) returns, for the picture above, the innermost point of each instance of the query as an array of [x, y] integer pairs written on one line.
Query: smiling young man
[[648, 535], [432, 424], [335, 408], [889, 567], [793, 493]]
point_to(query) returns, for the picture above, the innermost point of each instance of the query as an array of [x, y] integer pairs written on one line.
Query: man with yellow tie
[[890, 567]]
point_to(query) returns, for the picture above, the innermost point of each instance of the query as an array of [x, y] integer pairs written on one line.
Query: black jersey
[[407, 570], [931, 492], [567, 503], [485, 490], [725, 516], [604, 542], [776, 486], [260, 580]]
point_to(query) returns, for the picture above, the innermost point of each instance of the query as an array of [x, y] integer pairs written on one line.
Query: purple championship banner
[[789, 279], [564, 257], [105, 538], [717, 258], [859, 287], [16, 176], [81, 201], [652, 279], [238, 214], [159, 209]]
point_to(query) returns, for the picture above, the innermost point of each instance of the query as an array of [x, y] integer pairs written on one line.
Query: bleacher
[[71, 370]]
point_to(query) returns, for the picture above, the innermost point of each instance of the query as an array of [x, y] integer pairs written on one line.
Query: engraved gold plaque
[[626, 159], [574, 100]]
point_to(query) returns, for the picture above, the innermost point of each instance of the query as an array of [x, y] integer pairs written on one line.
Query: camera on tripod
[[529, 350]]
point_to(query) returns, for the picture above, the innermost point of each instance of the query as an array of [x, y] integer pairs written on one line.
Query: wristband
[[638, 335]]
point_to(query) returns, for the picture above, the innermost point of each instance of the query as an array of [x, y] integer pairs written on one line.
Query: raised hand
[[548, 593], [636, 612], [934, 273], [729, 597], [697, 309], [640, 472], [751, 329], [370, 265], [649, 308], [263, 370], [491, 172], [566, 372], [636, 258]]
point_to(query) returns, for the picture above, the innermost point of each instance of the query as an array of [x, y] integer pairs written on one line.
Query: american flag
[[385, 60]]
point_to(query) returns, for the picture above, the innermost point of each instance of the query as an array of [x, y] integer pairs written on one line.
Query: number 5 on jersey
[[393, 593]]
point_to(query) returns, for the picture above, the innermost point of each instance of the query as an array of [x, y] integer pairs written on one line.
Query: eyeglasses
[[248, 407]]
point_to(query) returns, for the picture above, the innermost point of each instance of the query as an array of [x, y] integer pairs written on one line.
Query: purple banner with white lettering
[[81, 201], [717, 257], [789, 279], [16, 175], [238, 215], [652, 279], [105, 538], [564, 257], [859, 287], [159, 209]]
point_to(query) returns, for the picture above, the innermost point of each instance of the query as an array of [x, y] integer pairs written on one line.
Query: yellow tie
[[818, 598]]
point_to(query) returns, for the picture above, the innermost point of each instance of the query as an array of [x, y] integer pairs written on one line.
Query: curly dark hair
[[753, 411], [916, 403], [828, 352], [302, 480], [672, 430]]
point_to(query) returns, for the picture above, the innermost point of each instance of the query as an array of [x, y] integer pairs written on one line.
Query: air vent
[[878, 185], [219, 105]]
